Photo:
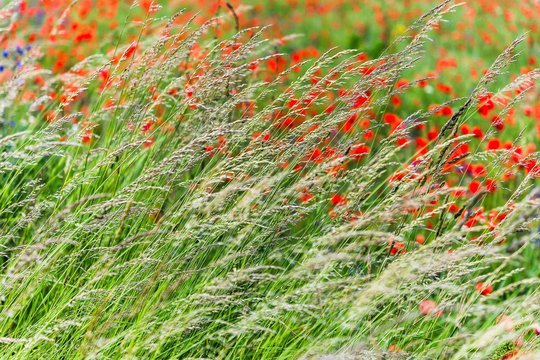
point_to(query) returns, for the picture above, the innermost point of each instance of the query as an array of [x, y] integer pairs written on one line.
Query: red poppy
[[276, 64], [314, 155], [429, 307], [398, 247], [87, 137], [338, 199], [491, 185], [149, 142], [493, 144], [484, 289], [306, 196], [359, 151], [485, 105], [478, 133], [475, 186]]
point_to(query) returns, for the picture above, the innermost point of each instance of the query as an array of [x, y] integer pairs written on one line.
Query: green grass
[[150, 217]]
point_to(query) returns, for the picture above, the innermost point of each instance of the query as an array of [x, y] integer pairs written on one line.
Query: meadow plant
[[170, 199]]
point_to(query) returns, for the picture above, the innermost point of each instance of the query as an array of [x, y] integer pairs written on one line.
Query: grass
[[188, 192]]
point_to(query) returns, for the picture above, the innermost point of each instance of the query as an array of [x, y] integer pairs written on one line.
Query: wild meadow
[[274, 179]]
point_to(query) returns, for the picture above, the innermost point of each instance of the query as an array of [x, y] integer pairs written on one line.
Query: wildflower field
[[269, 179]]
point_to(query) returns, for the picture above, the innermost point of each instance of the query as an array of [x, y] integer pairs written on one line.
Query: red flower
[[479, 170], [477, 216], [453, 208], [475, 186], [149, 143], [497, 122], [276, 64], [484, 289], [478, 133], [447, 111], [338, 199], [361, 99], [493, 144], [402, 142], [428, 307], [433, 134], [149, 6], [349, 123], [130, 50], [358, 152], [422, 145], [485, 105], [147, 126], [491, 185], [253, 66], [314, 155], [444, 88], [306, 196], [392, 119], [397, 248], [368, 135], [87, 137]]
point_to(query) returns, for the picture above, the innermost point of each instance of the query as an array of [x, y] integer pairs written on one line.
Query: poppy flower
[[359, 151], [276, 64], [398, 247], [479, 170], [453, 208], [149, 6], [493, 144], [349, 123], [485, 105], [444, 88], [130, 50], [305, 196], [314, 155], [338, 199], [433, 134], [497, 123], [147, 126], [484, 289], [392, 119], [368, 135], [478, 133], [403, 142], [87, 137], [422, 145], [429, 307], [447, 111], [149, 142], [475, 218], [475, 186], [491, 185], [361, 99]]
